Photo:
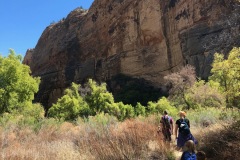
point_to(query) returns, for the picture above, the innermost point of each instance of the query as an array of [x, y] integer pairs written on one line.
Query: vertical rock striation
[[137, 38]]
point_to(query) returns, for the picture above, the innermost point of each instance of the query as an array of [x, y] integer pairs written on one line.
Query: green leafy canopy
[[17, 86]]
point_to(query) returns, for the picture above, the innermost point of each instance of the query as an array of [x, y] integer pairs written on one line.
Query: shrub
[[126, 111], [205, 95], [70, 106], [140, 110], [161, 105]]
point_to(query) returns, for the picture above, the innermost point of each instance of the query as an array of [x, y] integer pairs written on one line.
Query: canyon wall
[[141, 39]]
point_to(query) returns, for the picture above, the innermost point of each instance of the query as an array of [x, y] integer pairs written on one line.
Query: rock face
[[143, 39]]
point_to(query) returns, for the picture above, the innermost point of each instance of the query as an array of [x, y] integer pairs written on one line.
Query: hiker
[[182, 130], [166, 124], [201, 155], [189, 152]]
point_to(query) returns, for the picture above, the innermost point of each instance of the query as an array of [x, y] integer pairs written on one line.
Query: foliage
[[126, 111], [203, 94], [90, 100], [31, 116], [161, 105], [35, 111], [179, 83], [17, 86], [100, 122], [212, 115], [226, 72], [99, 99], [70, 106], [140, 110]]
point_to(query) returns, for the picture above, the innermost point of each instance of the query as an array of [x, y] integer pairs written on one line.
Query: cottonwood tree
[[17, 86], [227, 73]]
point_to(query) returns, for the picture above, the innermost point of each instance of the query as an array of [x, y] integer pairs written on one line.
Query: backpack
[[184, 128], [166, 122]]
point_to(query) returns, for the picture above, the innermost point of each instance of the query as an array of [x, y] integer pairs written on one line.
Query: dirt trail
[[177, 154]]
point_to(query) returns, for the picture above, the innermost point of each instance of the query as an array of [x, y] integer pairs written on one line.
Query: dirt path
[[177, 154]]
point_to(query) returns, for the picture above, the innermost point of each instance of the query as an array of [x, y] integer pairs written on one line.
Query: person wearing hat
[[182, 130]]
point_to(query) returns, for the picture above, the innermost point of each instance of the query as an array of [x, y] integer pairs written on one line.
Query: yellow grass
[[131, 139], [103, 137]]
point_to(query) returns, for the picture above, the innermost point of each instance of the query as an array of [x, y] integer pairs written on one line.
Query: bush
[[205, 95], [126, 111], [140, 110], [94, 99], [160, 106], [208, 116], [70, 106]]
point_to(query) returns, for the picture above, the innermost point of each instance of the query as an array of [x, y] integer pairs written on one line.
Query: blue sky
[[23, 21]]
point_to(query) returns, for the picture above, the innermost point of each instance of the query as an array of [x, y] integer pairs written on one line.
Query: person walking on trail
[[166, 124], [182, 130], [189, 152]]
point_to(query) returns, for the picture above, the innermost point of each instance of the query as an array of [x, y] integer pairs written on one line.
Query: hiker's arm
[[188, 123], [171, 125], [176, 129]]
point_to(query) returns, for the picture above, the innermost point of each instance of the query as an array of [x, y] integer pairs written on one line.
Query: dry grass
[[131, 139], [219, 141], [103, 137]]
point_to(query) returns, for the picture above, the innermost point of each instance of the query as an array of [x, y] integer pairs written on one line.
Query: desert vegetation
[[88, 123]]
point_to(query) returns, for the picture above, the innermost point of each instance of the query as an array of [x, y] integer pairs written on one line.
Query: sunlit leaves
[[17, 86], [227, 73]]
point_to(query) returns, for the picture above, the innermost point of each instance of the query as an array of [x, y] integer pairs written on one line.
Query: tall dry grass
[[219, 141], [104, 137], [131, 139]]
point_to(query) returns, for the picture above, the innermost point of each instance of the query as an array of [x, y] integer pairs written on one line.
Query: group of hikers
[[185, 140]]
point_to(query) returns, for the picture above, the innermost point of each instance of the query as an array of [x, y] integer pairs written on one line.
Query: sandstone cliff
[[142, 39]]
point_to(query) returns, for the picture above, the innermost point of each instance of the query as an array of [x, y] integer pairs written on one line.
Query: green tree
[[70, 106], [227, 73], [98, 98], [17, 86]]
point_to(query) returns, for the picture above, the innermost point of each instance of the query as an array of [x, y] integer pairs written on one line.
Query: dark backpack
[[184, 128], [166, 122]]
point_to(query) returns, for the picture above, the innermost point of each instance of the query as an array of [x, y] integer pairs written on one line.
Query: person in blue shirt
[[189, 151]]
